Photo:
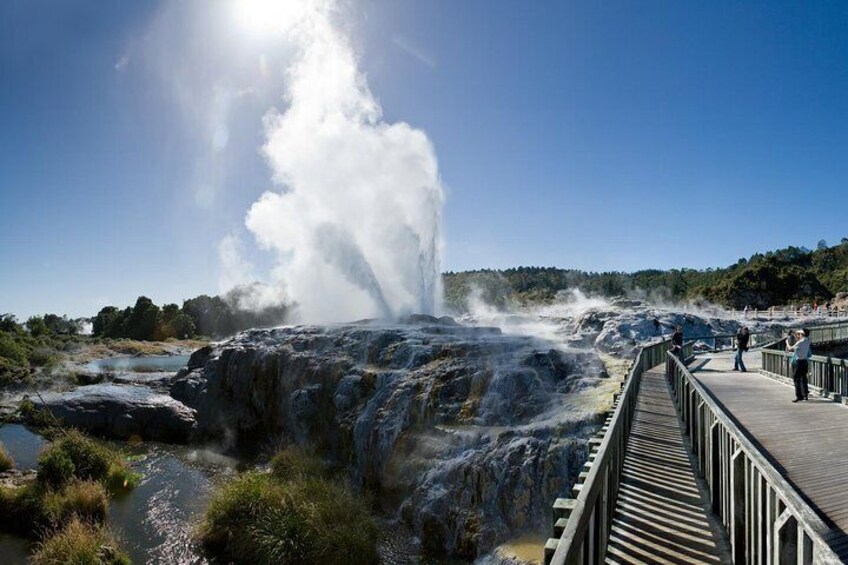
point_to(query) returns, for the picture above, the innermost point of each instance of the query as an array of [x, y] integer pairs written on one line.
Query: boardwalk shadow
[[661, 513]]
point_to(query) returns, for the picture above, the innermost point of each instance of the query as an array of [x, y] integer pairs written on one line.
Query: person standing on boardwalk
[[790, 339], [743, 336], [677, 342], [802, 354]]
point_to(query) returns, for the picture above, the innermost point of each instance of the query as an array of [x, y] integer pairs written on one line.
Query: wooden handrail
[[736, 472], [582, 524], [828, 375]]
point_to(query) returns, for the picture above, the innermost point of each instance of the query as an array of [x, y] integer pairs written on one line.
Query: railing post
[[738, 521]]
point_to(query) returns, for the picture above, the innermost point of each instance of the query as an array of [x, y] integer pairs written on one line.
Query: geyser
[[355, 216]]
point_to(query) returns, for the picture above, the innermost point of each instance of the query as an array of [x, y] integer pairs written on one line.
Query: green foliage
[[36, 326], [297, 463], [785, 276], [75, 456], [291, 515], [55, 468], [13, 349], [21, 509], [84, 499], [80, 543], [6, 461], [204, 315]]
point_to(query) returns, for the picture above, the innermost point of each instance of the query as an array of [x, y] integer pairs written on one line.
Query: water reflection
[[155, 520], [153, 364], [22, 444]]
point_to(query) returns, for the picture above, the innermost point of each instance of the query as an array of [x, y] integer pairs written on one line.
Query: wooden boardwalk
[[806, 441], [662, 513]]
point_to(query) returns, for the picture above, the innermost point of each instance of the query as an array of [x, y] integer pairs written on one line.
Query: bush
[[80, 543], [6, 461], [260, 519], [84, 499], [20, 509], [34, 509], [75, 456], [297, 462], [55, 468]]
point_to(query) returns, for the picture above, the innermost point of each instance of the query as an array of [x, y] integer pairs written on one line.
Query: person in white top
[[802, 365]]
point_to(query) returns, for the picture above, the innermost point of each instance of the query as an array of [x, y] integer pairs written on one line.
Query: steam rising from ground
[[355, 220]]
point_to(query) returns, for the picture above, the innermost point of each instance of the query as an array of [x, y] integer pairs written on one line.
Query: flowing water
[[154, 521]]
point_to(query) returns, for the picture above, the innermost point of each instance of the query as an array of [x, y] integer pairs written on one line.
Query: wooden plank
[[661, 514], [806, 440]]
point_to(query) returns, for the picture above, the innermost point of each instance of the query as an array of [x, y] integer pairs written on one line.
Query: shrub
[[75, 456], [84, 499], [43, 356], [297, 462], [6, 461], [80, 543], [260, 519], [20, 509], [55, 468]]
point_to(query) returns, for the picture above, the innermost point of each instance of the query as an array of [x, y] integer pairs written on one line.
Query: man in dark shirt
[[677, 342], [743, 336]]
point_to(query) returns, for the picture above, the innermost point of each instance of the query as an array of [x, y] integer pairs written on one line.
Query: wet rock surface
[[465, 434], [121, 412]]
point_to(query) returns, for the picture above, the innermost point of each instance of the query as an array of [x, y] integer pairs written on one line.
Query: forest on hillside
[[793, 275]]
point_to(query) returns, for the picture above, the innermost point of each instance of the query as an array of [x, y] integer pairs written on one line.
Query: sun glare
[[262, 17]]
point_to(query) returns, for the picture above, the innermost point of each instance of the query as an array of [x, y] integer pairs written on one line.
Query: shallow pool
[[153, 364]]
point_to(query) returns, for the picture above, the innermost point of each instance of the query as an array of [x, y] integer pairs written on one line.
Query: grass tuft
[[297, 463], [75, 456], [82, 543], [6, 461], [293, 515], [82, 499]]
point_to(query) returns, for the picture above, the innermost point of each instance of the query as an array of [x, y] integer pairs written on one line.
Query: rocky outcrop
[[466, 433], [121, 412]]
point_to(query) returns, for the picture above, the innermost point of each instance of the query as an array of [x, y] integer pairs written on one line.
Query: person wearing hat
[[802, 354]]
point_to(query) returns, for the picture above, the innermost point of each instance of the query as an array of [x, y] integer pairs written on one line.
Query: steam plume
[[356, 215]]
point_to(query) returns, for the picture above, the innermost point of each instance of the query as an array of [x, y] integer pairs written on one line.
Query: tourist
[[801, 355], [743, 336], [677, 342], [790, 339]]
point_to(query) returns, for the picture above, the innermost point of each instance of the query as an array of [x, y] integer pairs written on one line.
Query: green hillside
[[786, 276]]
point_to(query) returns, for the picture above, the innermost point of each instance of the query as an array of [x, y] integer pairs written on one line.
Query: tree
[[105, 321], [9, 323], [822, 245], [36, 326], [142, 321]]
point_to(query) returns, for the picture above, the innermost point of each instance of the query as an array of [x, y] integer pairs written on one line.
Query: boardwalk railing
[[582, 523], [826, 375], [719, 342], [791, 313], [765, 518]]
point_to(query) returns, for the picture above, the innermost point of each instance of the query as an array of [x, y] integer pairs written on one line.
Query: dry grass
[[6, 461], [82, 499], [81, 543]]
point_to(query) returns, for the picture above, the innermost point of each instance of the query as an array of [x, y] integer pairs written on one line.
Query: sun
[[263, 17]]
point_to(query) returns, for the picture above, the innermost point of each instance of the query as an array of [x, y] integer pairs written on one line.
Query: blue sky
[[576, 134]]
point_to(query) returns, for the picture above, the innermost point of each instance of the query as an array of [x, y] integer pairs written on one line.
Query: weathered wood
[[661, 515], [755, 494]]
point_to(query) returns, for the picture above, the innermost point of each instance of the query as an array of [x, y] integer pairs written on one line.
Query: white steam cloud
[[355, 219]]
